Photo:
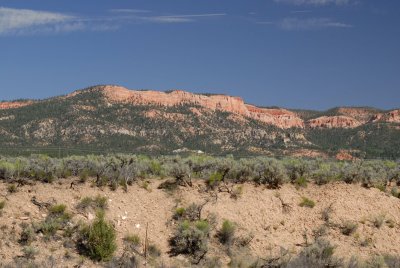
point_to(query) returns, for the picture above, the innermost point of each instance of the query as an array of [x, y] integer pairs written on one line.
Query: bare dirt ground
[[258, 212]]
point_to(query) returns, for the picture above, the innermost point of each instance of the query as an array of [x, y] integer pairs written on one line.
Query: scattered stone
[[90, 216]]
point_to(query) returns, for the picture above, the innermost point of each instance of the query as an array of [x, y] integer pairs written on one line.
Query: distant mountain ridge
[[160, 122]]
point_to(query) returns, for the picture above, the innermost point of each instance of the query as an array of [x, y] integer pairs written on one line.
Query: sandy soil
[[258, 211]]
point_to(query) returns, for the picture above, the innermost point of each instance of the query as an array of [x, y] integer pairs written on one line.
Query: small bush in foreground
[[320, 254], [2, 204], [98, 239], [98, 202], [191, 238], [12, 188], [306, 202], [395, 192], [378, 221], [132, 240], [348, 228], [300, 182], [27, 235], [227, 232], [56, 219], [30, 252]]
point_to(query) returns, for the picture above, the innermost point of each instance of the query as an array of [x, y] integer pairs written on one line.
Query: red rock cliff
[[13, 104], [279, 117], [334, 122]]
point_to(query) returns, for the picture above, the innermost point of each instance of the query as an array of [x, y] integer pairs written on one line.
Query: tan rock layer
[[13, 104], [334, 122], [279, 117]]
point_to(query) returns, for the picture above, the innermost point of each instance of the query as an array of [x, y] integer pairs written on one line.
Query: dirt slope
[[258, 211]]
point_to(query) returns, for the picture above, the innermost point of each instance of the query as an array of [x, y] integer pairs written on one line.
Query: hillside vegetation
[[199, 211], [90, 121]]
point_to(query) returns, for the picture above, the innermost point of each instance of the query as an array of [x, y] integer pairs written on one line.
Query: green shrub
[[57, 209], [2, 204], [27, 235], [270, 173], [12, 188], [97, 240], [57, 219], [191, 213], [395, 192], [305, 202], [227, 232], [326, 213], [153, 251], [191, 238], [214, 180], [378, 221], [348, 228], [179, 213], [98, 202], [237, 191], [319, 254], [30, 252], [84, 175], [301, 182], [133, 240]]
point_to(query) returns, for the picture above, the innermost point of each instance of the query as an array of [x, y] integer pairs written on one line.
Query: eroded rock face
[[363, 115], [344, 155], [279, 117], [346, 117], [334, 122], [13, 104], [390, 117]]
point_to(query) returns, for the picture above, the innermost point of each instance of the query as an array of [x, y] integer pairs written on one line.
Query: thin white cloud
[[178, 18], [291, 24], [14, 20], [29, 22], [315, 2], [129, 10]]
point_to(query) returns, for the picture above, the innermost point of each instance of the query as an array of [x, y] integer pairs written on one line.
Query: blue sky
[[313, 54]]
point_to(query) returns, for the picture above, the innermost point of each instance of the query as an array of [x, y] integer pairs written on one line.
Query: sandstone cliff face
[[279, 117], [390, 117], [13, 104], [363, 115], [333, 122]]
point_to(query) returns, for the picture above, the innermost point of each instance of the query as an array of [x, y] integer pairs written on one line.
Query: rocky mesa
[[281, 118]]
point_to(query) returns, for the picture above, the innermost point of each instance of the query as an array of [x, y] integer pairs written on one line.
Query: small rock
[[137, 225], [90, 216], [24, 218]]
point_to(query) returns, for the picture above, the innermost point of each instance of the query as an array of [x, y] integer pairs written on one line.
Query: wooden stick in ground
[[145, 245]]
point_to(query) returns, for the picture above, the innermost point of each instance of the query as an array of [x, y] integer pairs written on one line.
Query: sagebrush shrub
[[191, 238], [97, 202], [97, 240], [132, 240], [227, 232], [319, 254], [348, 228], [306, 202], [27, 235], [378, 220], [270, 173], [57, 219]]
